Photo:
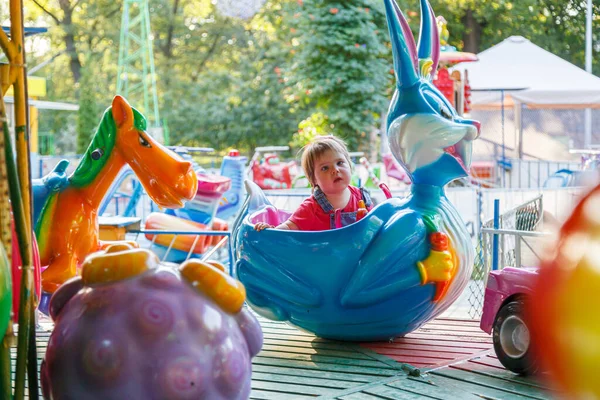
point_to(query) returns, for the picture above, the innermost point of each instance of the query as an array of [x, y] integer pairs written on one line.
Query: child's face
[[332, 172]]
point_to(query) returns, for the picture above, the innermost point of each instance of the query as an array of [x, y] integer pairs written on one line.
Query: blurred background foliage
[[296, 69]]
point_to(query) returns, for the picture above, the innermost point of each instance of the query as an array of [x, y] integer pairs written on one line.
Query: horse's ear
[[121, 111]]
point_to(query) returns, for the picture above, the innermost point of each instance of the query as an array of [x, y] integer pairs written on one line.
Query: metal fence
[[221, 251], [500, 244], [516, 173]]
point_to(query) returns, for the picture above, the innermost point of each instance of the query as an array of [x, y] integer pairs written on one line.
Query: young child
[[334, 201]]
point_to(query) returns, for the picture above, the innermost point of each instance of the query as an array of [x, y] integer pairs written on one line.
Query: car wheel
[[512, 341]]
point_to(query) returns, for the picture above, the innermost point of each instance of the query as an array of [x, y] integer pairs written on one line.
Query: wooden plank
[[339, 346], [391, 393], [457, 320], [429, 342], [318, 358], [257, 394], [351, 355], [290, 388], [281, 329], [451, 337], [319, 374], [301, 380], [430, 328], [305, 339], [407, 351], [383, 359], [485, 370], [489, 361], [282, 326], [429, 352], [471, 330], [494, 382], [400, 347], [476, 389], [426, 386], [395, 393], [426, 356], [324, 366], [360, 396], [431, 359], [428, 360]]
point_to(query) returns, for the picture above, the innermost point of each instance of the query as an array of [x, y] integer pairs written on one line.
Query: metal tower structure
[[136, 79]]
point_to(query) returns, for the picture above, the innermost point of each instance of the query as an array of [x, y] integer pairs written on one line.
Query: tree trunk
[[168, 47], [67, 25], [472, 35]]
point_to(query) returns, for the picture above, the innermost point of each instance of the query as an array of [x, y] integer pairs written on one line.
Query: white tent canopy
[[531, 75]]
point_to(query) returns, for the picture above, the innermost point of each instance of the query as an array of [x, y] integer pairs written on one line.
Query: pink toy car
[[506, 294]]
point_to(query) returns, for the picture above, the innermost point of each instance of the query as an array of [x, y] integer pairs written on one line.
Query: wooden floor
[[441, 342], [445, 359]]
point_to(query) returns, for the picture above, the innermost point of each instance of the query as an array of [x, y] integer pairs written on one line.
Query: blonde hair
[[315, 149]]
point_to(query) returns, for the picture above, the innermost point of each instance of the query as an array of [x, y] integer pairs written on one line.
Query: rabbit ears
[[409, 65]]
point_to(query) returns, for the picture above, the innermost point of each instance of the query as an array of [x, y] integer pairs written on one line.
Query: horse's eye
[[97, 154], [143, 141]]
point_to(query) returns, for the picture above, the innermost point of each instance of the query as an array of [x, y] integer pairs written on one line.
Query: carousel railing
[[16, 184]]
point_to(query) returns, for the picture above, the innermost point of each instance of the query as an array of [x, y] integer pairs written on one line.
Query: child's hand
[[261, 226]]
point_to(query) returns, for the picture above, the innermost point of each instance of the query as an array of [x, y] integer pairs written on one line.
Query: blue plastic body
[[233, 167], [365, 281], [42, 188], [359, 282]]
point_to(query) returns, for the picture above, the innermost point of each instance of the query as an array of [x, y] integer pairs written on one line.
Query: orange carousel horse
[[67, 227]]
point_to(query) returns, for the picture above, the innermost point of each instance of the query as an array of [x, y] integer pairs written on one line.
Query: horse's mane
[[104, 138]]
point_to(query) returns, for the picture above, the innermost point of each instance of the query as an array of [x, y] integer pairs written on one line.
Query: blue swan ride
[[409, 258]]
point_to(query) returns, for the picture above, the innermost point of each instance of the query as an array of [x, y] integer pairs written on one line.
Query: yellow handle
[[118, 262], [211, 279]]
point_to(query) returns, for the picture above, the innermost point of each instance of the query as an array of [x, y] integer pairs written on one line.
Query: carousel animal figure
[[132, 328], [67, 223], [403, 263]]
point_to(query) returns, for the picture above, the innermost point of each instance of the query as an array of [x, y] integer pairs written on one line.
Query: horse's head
[[167, 178], [425, 133]]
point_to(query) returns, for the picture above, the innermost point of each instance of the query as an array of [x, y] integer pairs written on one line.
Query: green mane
[[104, 138]]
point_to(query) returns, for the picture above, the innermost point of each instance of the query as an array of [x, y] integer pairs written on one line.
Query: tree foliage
[[557, 26], [340, 67], [297, 67], [234, 95], [88, 116]]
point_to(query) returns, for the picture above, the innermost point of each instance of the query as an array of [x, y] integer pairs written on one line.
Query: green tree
[[341, 67], [555, 25], [311, 127], [562, 30], [81, 26], [87, 116], [224, 82], [235, 95]]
